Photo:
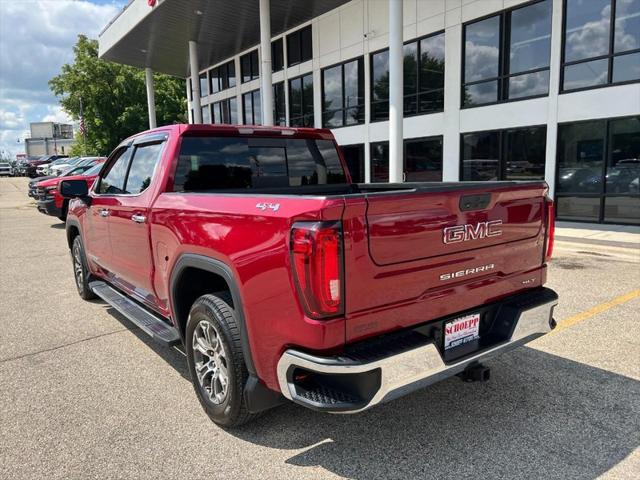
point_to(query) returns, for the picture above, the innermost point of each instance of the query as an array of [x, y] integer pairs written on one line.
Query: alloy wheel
[[210, 359], [78, 269]]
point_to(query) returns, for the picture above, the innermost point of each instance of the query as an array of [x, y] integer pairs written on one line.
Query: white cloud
[[36, 39]]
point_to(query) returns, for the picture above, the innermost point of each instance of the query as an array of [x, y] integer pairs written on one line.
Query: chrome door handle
[[138, 218], [103, 212]]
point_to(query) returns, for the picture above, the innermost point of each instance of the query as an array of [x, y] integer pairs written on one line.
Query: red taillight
[[316, 256], [551, 229]]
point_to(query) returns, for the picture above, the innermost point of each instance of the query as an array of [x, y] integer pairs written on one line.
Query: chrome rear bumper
[[357, 381]]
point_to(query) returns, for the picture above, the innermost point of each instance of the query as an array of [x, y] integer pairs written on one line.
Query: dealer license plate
[[461, 330]]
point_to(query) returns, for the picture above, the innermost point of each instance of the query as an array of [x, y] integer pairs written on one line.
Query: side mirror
[[74, 189]]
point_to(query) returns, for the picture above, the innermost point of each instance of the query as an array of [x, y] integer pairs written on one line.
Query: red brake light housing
[[317, 264], [551, 228]]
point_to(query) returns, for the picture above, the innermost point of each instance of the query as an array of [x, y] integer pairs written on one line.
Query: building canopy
[[156, 34]]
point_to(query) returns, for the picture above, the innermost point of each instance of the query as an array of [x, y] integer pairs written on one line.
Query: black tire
[[215, 310], [80, 270]]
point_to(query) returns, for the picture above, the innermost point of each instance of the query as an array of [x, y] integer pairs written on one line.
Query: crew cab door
[[129, 233], [110, 182]]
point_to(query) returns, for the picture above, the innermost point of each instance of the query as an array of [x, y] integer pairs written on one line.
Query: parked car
[[61, 165], [50, 202], [20, 168], [6, 170], [622, 177], [34, 164], [85, 164], [282, 279]]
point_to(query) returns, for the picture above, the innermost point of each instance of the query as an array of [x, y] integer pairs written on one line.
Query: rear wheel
[[80, 270], [215, 359]]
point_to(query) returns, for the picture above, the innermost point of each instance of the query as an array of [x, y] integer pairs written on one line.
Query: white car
[[65, 164], [5, 169]]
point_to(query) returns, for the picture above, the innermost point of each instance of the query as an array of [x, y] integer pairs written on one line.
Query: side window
[[112, 180], [145, 159]]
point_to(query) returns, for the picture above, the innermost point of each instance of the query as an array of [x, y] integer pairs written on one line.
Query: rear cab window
[[237, 163]]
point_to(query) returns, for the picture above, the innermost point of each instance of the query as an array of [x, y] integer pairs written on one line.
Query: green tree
[[114, 98]]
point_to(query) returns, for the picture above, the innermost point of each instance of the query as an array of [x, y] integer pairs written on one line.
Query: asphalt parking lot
[[85, 395]]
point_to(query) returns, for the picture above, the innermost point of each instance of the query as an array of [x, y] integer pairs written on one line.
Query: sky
[[36, 39]]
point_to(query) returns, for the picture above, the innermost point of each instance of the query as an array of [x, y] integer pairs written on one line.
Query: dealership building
[[418, 90]]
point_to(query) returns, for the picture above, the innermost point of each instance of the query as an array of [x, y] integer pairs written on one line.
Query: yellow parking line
[[603, 307]]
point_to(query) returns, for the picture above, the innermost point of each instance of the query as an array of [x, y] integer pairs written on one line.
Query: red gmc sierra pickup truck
[[283, 280]]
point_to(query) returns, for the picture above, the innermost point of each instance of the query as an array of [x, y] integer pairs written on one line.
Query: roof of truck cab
[[237, 130]]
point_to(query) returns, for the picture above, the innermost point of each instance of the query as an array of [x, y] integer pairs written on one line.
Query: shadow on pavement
[[540, 416], [58, 226], [174, 356]]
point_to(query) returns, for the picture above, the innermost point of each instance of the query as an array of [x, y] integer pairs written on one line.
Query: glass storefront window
[[380, 162], [506, 57], [343, 94], [582, 209], [301, 101], [481, 156], [622, 210], [251, 108], [422, 160], [599, 171], [580, 157], [593, 54], [279, 115], [524, 153], [513, 154], [204, 86], [623, 167], [423, 77]]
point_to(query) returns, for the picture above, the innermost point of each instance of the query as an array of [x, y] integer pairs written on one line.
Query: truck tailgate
[[431, 253]]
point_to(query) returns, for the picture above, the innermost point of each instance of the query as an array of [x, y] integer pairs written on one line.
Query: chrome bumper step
[[149, 323], [394, 365]]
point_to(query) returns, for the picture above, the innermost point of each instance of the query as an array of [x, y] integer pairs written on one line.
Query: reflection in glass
[[587, 29], [482, 40], [623, 167], [581, 157], [481, 93], [524, 153], [380, 85], [587, 74], [529, 84], [204, 85], [627, 26], [423, 160], [626, 67], [301, 101], [622, 210], [480, 156], [332, 84], [530, 41], [206, 114], [233, 111], [578, 208], [380, 162], [279, 115], [410, 73]]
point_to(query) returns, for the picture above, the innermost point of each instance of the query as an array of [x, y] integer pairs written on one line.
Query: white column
[[195, 82], [266, 90], [452, 79], [151, 97], [395, 91], [554, 87]]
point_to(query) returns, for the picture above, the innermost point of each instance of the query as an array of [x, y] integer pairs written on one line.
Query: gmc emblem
[[463, 233]]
